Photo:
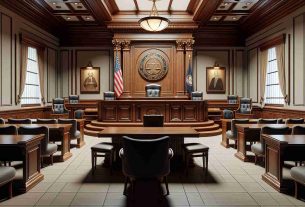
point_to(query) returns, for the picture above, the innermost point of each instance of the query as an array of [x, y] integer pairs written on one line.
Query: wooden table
[[25, 148], [61, 132], [176, 134], [280, 148], [80, 127], [251, 133], [226, 125]]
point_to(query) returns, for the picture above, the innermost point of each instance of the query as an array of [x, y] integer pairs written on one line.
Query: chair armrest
[[121, 153], [170, 153]]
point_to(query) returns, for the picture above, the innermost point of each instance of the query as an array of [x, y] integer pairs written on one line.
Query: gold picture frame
[[216, 80], [90, 80]]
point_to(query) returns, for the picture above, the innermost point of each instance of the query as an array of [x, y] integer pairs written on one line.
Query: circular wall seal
[[153, 65]]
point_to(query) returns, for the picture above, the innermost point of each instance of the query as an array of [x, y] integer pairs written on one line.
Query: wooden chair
[[295, 121], [46, 121], [58, 109], [232, 134], [109, 96], [232, 99], [227, 114], [19, 121], [74, 133], [267, 121], [73, 99], [197, 95], [102, 150], [244, 110]]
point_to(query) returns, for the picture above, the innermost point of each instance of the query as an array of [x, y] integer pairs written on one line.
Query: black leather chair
[[227, 114], [197, 96], [73, 99], [19, 121], [245, 109], [47, 149], [46, 121], [8, 130], [153, 90], [7, 175], [79, 114], [298, 175], [58, 109], [109, 96], [295, 121], [2, 121], [259, 148], [267, 121], [232, 99], [74, 133], [232, 134], [145, 159], [280, 121], [298, 130], [153, 120]]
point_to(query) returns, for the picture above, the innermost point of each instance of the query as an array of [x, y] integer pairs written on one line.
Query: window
[[273, 93], [31, 94]]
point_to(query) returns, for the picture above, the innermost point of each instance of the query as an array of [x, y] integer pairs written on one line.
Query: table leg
[[80, 141], [225, 141], [65, 147], [241, 146]]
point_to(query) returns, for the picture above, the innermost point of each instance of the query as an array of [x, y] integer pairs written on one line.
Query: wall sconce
[[89, 66], [216, 66]]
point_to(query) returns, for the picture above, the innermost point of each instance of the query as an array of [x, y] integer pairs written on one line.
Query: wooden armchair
[[244, 110], [153, 90], [58, 109], [73, 99], [232, 99]]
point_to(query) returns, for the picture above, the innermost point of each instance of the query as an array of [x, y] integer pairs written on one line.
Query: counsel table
[[62, 133], [280, 148], [25, 148], [176, 135], [251, 133]]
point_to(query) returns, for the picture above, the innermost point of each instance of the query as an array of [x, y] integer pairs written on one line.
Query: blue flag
[[189, 79]]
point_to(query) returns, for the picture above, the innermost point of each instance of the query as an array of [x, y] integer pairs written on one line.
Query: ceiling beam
[[206, 10], [112, 6], [191, 8], [97, 10]]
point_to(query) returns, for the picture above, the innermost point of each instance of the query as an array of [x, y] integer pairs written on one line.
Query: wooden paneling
[[27, 112], [51, 74], [65, 73], [279, 112], [238, 72], [253, 71], [6, 61]]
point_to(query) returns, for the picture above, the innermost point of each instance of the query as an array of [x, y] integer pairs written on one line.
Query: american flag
[[118, 78]]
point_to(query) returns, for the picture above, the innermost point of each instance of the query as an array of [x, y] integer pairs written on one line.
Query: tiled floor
[[230, 182]]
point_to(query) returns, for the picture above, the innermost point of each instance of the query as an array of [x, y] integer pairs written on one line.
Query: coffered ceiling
[[71, 18]]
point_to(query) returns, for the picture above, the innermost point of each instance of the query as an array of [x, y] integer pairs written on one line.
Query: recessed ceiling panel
[[70, 18], [162, 5], [126, 5], [224, 6], [215, 18], [232, 18], [245, 5], [88, 18], [78, 6], [57, 5], [179, 5]]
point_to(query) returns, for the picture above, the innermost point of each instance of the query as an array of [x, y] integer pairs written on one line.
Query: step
[[210, 133], [93, 128], [91, 133], [207, 128]]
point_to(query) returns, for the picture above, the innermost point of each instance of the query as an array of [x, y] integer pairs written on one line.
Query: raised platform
[[207, 128]]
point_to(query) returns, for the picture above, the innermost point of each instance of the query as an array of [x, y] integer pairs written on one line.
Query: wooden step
[[93, 128], [207, 128], [91, 133], [210, 133]]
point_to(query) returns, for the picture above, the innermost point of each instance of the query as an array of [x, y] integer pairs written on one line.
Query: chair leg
[[133, 192], [111, 160], [207, 161], [51, 158], [166, 185], [295, 189], [125, 186], [10, 189], [255, 159], [92, 162], [235, 144], [186, 163]]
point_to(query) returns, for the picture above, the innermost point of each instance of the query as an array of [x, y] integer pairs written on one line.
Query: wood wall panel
[[238, 73], [65, 71], [27, 112], [6, 61], [253, 71], [51, 74]]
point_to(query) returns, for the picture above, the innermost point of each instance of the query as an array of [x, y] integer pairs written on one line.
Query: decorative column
[[126, 66], [179, 70], [189, 44]]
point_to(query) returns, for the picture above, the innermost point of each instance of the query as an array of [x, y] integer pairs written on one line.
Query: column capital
[[125, 45], [116, 44], [189, 44], [180, 45]]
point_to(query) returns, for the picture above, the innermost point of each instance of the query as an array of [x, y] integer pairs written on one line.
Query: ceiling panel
[[57, 5], [179, 5], [146, 5], [126, 5], [88, 18], [224, 6], [69, 18], [232, 18], [78, 6], [215, 18], [245, 5]]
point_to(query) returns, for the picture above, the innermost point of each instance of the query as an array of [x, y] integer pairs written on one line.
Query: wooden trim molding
[[273, 42], [24, 39]]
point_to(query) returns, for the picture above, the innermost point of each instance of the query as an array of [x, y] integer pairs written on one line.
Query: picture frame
[[216, 80], [90, 80]]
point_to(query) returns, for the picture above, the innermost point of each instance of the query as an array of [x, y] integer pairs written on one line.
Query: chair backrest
[[280, 121], [232, 99], [8, 130], [58, 106], [79, 114], [298, 130], [237, 121], [146, 158], [73, 129], [2, 121], [267, 121], [197, 95], [245, 105], [19, 121], [228, 114], [295, 121], [273, 131], [46, 121], [73, 99], [153, 90], [33, 130], [153, 120], [109, 96]]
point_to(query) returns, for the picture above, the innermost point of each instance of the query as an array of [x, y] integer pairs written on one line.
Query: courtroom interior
[[152, 103]]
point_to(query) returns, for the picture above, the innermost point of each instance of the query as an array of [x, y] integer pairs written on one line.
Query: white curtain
[[280, 56], [263, 74], [40, 55], [23, 70]]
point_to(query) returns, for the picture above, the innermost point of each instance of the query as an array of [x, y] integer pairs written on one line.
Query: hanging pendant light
[[154, 23]]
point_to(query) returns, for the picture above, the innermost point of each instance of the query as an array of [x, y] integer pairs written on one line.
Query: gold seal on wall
[[153, 65]]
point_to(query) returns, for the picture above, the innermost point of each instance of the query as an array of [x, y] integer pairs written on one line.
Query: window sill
[[29, 105], [274, 105]]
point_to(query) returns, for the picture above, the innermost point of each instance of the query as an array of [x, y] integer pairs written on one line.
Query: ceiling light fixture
[[154, 23]]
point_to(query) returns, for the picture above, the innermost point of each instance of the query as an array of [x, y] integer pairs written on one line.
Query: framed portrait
[[216, 80], [89, 80]]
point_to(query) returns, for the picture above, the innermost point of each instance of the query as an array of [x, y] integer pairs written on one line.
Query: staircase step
[[207, 128], [91, 133], [210, 133], [93, 128]]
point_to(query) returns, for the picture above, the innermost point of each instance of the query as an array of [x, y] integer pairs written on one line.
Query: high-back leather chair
[[73, 99], [7, 175], [259, 148], [109, 96], [19, 121], [145, 158], [232, 99], [267, 121], [295, 121], [2, 121], [153, 120], [46, 121], [153, 90], [232, 134], [8, 130], [245, 109], [74, 133], [298, 130], [79, 114], [58, 108], [227, 114], [197, 95], [47, 149]]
